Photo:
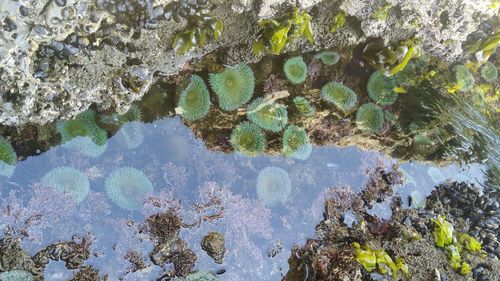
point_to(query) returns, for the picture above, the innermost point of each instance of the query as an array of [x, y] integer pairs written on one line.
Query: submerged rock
[[213, 243]]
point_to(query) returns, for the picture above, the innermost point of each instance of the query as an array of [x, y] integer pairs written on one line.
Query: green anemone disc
[[234, 86], [340, 96], [295, 70], [370, 118], [247, 138], [195, 99], [380, 88]]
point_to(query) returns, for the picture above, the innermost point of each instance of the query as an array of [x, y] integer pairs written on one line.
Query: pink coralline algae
[[175, 176]]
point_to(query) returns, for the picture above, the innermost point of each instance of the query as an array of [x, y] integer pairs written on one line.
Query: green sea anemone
[[198, 276], [68, 180], [304, 106], [267, 115], [296, 143], [380, 88], [370, 118], [328, 57], [194, 100], [248, 138], [234, 86], [340, 96], [464, 80], [16, 275], [8, 158], [489, 72], [273, 185], [131, 134], [127, 186], [295, 70], [83, 134]]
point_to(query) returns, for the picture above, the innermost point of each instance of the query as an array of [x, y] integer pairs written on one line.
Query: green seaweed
[[339, 21], [443, 231], [392, 58], [383, 12], [372, 259]]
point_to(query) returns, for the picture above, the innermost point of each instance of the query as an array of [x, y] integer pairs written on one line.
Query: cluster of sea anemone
[[296, 143], [370, 118], [234, 86], [267, 115], [295, 70], [273, 185], [83, 134], [194, 100], [340, 96], [127, 187], [8, 158], [68, 180], [247, 138], [380, 88]]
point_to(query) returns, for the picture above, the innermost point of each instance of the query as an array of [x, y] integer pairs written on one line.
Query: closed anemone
[[380, 88], [370, 118], [234, 86], [489, 72], [8, 158], [304, 106], [464, 80], [273, 185], [68, 180], [296, 143], [198, 276], [267, 115], [194, 99], [127, 187], [16, 275], [295, 70], [247, 138], [340, 96], [328, 57]]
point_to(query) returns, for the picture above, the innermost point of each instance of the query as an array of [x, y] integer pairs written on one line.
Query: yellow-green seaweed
[[443, 231]]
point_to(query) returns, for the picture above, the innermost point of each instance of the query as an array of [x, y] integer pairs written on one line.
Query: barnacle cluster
[[127, 187], [340, 96], [370, 118], [295, 70], [267, 115], [68, 180], [8, 158], [194, 100], [247, 138], [276, 33], [273, 185], [234, 86], [372, 259], [296, 143]]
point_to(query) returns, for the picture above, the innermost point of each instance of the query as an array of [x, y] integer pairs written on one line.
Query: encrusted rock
[[213, 243]]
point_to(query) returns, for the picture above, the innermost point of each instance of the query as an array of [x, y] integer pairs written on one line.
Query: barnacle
[[276, 33], [8, 158], [127, 186], [370, 118], [380, 88], [468, 242], [234, 86], [489, 72], [328, 57], [463, 78], [248, 138], [16, 275], [443, 231], [194, 100], [304, 106], [338, 21], [267, 115], [295, 70], [296, 143], [339, 95], [273, 185], [68, 180]]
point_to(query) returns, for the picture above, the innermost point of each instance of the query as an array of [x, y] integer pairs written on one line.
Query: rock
[[213, 243]]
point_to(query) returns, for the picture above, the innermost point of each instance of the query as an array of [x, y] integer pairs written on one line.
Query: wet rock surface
[[71, 54], [213, 244]]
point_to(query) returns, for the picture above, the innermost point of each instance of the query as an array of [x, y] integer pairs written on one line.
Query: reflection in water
[[210, 190]]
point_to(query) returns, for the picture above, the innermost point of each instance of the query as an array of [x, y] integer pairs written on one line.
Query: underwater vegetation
[[393, 58], [68, 180], [295, 70], [234, 86], [16, 275], [296, 143], [126, 187], [372, 259], [267, 115], [198, 276], [489, 72], [340, 96], [247, 138], [201, 25], [328, 57], [380, 88], [194, 100], [280, 31], [8, 158], [339, 21], [83, 134], [483, 48], [304, 106], [370, 118], [463, 78], [273, 185]]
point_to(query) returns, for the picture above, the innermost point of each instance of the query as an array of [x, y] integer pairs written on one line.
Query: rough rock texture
[[96, 64]]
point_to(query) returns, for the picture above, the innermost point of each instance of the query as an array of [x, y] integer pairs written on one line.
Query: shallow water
[[182, 171]]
